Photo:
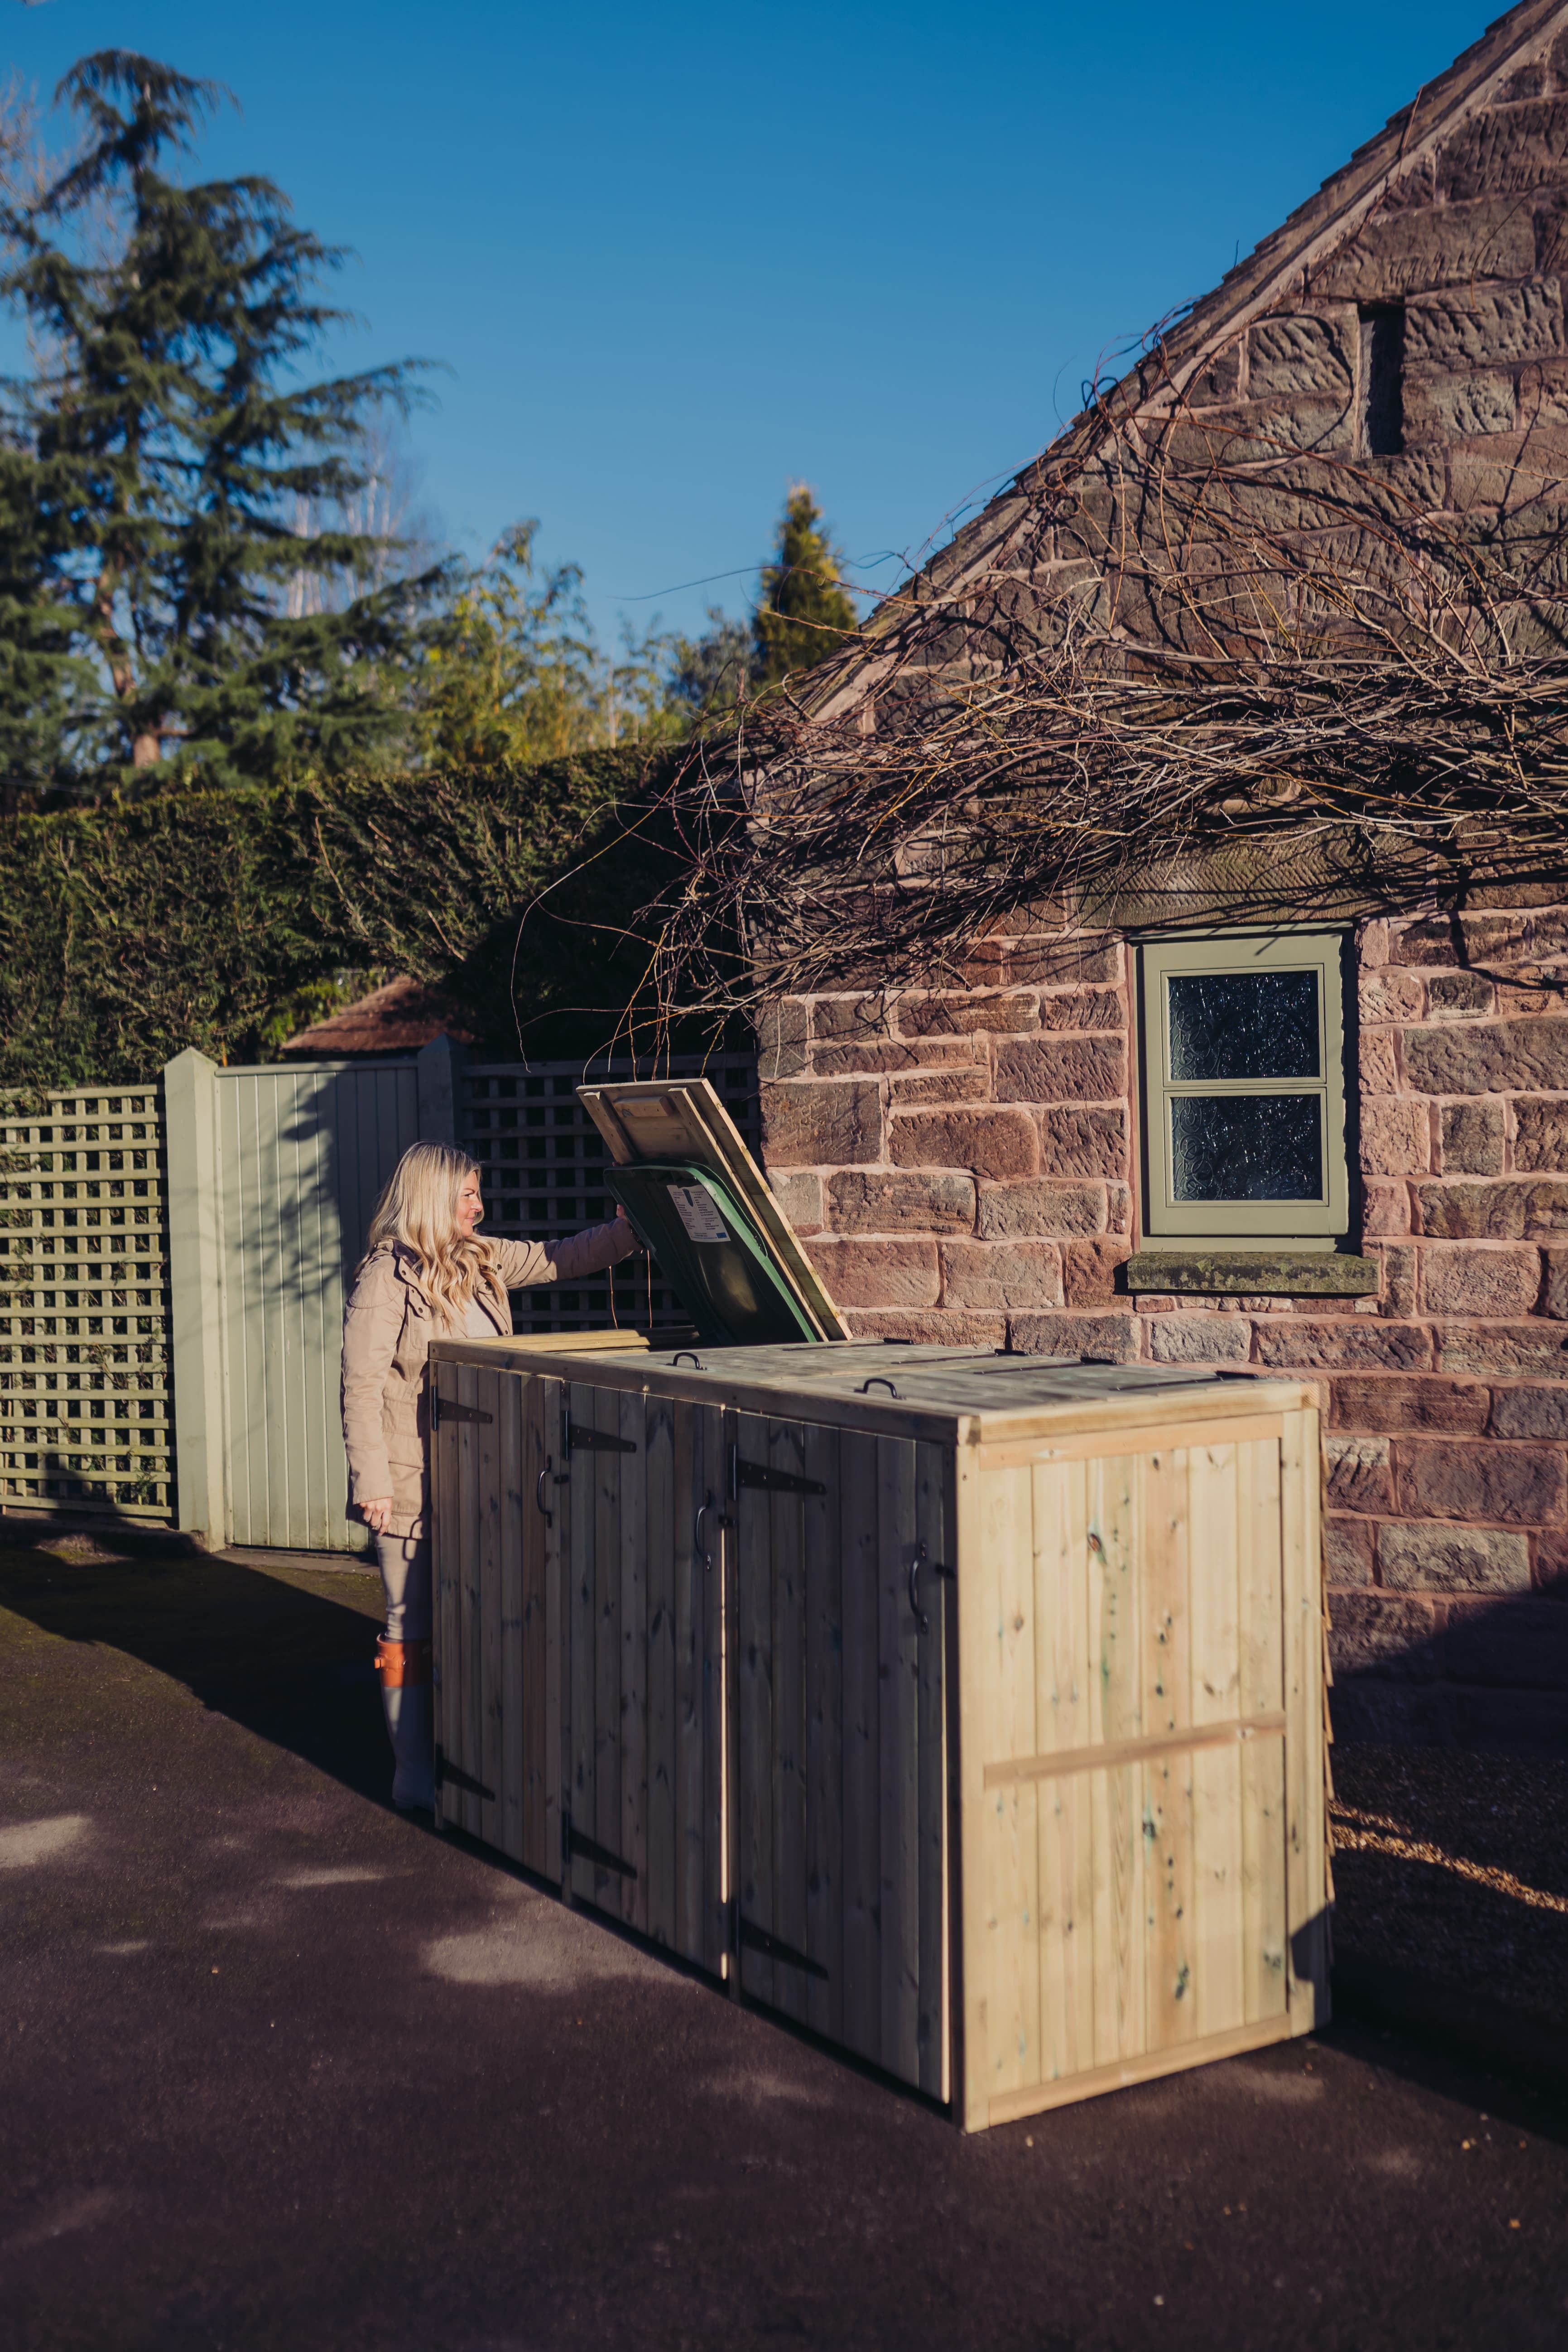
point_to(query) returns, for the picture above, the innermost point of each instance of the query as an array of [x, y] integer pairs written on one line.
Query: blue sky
[[675, 257]]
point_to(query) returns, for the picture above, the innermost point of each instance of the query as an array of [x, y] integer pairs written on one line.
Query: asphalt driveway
[[281, 2069]]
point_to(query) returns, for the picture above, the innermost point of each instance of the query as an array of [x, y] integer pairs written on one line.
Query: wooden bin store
[[965, 1708]]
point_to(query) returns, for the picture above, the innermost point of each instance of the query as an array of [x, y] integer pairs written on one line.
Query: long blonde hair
[[418, 1207]]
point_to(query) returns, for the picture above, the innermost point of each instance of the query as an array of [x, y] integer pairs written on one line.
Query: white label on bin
[[698, 1211]]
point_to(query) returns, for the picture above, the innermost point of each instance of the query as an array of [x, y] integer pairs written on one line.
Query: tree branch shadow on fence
[[291, 1664]]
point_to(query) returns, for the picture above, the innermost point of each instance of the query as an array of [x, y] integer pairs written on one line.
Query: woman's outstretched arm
[[522, 1264]]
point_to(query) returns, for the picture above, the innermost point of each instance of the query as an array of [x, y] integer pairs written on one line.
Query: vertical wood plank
[[577, 1404], [1012, 1958], [1168, 1884], [532, 1627], [491, 1694], [630, 1472], [898, 1830], [471, 1743], [968, 1700], [1261, 1670], [662, 1907], [821, 1539], [447, 1572], [1067, 1717], [751, 1799], [605, 1470], [1306, 1875], [1115, 1796], [1217, 1826], [932, 1531], [518, 1500], [556, 1658], [718, 1429], [786, 1452], [689, 1472], [862, 1745]]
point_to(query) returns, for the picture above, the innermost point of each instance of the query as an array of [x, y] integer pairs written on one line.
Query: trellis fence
[[85, 1418], [173, 1260], [544, 1172]]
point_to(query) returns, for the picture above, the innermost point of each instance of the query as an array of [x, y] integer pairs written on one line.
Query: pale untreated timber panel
[[1116, 1810], [1301, 1578], [714, 1433], [786, 1548], [1094, 1445], [540, 1657], [662, 1757], [1165, 1577], [1066, 1682], [509, 1393], [447, 1570], [607, 1472], [691, 1652], [631, 1837], [967, 1725], [1143, 2068], [753, 1690], [1012, 1962], [491, 1660], [933, 1530], [862, 1745], [579, 1502], [898, 1908], [821, 1537], [1217, 1826], [1110, 1875], [557, 1493], [469, 1745]]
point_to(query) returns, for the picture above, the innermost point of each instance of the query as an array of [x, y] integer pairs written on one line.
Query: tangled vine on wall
[[1190, 645]]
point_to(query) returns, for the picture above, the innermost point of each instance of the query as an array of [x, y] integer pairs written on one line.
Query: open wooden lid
[[682, 1119]]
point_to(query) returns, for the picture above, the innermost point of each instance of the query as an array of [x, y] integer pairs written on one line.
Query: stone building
[[1031, 1156]]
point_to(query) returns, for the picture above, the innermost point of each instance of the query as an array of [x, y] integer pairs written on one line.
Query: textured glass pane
[[1244, 1024], [1246, 1147]]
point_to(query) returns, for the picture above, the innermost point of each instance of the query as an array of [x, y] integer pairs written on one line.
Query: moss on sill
[[1233, 1274]]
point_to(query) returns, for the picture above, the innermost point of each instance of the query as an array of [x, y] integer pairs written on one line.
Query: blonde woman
[[426, 1274]]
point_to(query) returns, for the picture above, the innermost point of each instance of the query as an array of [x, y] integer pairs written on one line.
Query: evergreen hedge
[[226, 919]]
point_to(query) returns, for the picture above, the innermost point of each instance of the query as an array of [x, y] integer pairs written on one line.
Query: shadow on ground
[[287, 1652], [284, 1649]]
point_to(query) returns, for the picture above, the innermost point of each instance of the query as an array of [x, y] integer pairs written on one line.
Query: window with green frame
[[1244, 1102]]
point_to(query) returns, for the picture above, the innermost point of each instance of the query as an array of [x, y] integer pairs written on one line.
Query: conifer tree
[[802, 614], [155, 464]]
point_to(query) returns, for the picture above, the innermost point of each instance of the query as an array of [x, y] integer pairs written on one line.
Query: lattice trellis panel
[[85, 1411], [542, 1166]]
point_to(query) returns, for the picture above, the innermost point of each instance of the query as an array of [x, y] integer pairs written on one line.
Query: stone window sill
[[1236, 1274]]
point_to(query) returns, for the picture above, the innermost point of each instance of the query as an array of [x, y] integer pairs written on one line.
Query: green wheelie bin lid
[[709, 1250]]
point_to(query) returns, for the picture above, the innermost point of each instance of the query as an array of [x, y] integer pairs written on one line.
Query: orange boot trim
[[401, 1664]]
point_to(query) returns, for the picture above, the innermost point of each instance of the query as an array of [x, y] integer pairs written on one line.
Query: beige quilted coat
[[388, 1325]]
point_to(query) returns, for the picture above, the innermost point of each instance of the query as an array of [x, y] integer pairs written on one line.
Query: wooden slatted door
[[477, 1566], [1125, 1822], [838, 1819], [644, 1681]]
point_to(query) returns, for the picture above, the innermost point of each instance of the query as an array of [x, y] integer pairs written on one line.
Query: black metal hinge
[[771, 1481], [578, 1439], [448, 1409], [575, 1842], [753, 1939]]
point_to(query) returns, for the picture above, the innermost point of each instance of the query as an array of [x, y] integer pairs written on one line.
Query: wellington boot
[[404, 1672]]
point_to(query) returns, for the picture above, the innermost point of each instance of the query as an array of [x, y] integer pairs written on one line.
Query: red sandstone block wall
[[963, 1165]]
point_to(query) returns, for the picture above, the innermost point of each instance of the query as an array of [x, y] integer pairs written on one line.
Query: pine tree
[[802, 614], [155, 463]]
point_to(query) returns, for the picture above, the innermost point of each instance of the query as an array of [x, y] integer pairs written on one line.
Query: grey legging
[[406, 1580]]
